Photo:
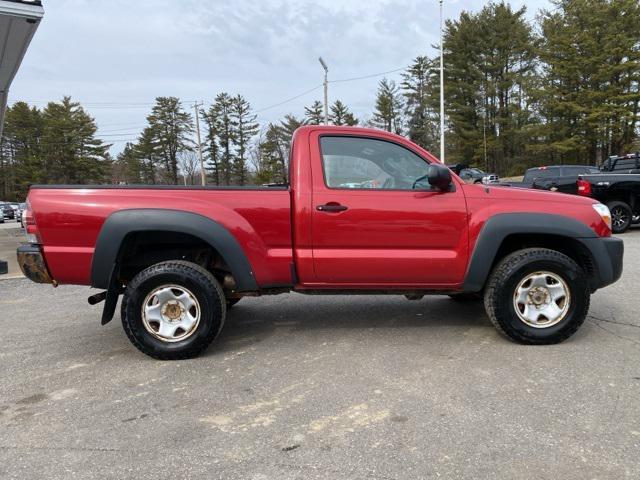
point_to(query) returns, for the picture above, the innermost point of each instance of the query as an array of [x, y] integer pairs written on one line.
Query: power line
[[288, 99], [135, 134], [121, 105], [367, 76], [123, 131], [107, 104], [132, 124]]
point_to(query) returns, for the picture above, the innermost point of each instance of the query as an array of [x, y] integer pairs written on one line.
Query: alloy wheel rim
[[171, 313], [618, 217], [542, 299]]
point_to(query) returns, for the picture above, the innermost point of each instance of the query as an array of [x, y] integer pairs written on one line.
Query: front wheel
[[537, 296], [173, 310]]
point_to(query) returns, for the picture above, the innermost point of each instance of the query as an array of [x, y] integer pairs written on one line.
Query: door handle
[[331, 207]]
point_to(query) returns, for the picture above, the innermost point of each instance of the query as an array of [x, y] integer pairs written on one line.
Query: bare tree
[[189, 166]]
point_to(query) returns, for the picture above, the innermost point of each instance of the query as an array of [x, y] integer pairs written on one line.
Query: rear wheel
[[537, 296], [173, 310], [621, 216]]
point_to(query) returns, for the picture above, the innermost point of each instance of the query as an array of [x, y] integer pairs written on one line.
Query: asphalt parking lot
[[302, 387]]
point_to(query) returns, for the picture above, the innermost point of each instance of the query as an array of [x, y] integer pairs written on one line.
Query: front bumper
[[606, 255], [32, 264]]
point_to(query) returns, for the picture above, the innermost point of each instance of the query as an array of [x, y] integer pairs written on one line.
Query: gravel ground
[[301, 387]]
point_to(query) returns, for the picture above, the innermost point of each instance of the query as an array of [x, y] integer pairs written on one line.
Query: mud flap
[[111, 301]]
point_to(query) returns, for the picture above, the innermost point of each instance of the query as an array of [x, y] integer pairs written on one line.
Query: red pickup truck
[[365, 212]]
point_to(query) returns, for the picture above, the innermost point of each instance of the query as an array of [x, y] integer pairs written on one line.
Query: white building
[[19, 20]]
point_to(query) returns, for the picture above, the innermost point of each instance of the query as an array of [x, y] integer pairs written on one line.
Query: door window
[[365, 163]]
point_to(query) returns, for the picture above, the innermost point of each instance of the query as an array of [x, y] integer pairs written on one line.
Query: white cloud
[[121, 51]]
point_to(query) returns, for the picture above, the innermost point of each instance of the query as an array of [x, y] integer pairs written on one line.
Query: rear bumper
[[607, 255], [32, 264]]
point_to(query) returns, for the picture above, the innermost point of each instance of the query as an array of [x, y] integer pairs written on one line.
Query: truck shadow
[[254, 320]]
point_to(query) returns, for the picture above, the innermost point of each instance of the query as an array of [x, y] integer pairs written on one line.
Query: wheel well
[[570, 247], [140, 250], [622, 196]]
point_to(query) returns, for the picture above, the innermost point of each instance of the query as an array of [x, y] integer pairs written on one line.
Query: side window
[[365, 163], [543, 173]]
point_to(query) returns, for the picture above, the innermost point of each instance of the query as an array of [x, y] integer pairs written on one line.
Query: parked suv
[[8, 212], [472, 174]]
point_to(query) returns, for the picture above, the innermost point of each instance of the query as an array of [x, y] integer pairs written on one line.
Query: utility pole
[[326, 95], [203, 179], [441, 85]]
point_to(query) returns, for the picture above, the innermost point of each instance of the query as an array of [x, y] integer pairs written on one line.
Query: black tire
[[504, 280], [621, 216], [204, 287], [465, 297], [232, 301]]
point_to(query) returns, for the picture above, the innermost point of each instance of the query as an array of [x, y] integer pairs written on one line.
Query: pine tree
[[388, 113], [314, 115], [272, 162], [287, 127], [419, 85], [172, 128], [340, 115], [128, 166], [221, 137], [589, 93], [211, 146], [147, 152], [72, 153], [244, 122], [489, 64], [20, 160]]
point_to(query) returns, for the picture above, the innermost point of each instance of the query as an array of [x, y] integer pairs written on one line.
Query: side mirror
[[439, 176]]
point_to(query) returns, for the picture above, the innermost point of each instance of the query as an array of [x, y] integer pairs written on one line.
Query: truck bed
[[69, 219]]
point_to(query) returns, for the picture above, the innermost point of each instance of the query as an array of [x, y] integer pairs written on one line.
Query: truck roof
[[305, 130]]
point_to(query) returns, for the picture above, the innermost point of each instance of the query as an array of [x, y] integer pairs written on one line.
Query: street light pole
[[325, 84], [441, 85]]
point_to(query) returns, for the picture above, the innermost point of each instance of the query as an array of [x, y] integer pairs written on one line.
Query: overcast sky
[[116, 56]]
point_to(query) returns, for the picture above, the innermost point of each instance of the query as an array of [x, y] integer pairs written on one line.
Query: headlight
[[604, 213]]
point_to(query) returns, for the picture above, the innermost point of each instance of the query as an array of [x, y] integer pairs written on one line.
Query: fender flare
[[498, 227], [124, 222]]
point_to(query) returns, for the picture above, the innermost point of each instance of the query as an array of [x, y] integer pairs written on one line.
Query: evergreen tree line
[[56, 144], [564, 88]]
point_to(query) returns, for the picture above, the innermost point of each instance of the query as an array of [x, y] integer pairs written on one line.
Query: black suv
[[472, 174]]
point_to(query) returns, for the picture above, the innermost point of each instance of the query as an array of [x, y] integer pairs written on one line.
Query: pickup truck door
[[370, 227]]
